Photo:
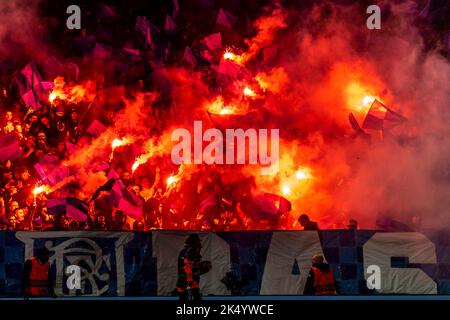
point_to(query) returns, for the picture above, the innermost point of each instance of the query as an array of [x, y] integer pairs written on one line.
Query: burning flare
[[248, 92], [228, 55], [170, 180], [40, 189]]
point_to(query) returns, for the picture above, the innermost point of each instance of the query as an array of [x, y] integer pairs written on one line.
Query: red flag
[[101, 51], [30, 87], [124, 199], [9, 148], [96, 128], [213, 41], [381, 117], [189, 57], [169, 24], [225, 19]]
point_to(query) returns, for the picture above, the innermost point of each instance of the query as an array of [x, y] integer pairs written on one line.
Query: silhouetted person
[[307, 224]]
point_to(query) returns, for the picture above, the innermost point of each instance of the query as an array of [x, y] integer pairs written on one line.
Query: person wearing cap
[[320, 279], [36, 280], [190, 267]]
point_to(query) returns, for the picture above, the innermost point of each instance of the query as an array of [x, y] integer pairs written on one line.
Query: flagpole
[[87, 109]]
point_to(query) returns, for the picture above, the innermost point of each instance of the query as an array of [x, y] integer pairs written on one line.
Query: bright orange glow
[[140, 160], [217, 106], [52, 97], [228, 55], [302, 174], [248, 92], [39, 190], [119, 142], [359, 98], [170, 180], [226, 110], [286, 190]]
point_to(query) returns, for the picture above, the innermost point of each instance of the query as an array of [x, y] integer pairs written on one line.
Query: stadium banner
[[136, 264]]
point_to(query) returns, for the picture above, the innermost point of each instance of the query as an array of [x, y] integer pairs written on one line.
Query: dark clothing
[[315, 286], [185, 272], [189, 273], [311, 225], [184, 295]]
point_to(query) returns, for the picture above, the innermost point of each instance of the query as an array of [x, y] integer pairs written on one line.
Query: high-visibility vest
[[323, 282], [37, 285]]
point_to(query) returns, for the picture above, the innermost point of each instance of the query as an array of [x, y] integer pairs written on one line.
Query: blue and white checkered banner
[[262, 262]]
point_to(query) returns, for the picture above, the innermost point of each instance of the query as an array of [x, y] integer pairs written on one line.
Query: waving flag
[[189, 57], [30, 88], [9, 148], [265, 206], [101, 51], [96, 128], [213, 41], [169, 25], [50, 170], [123, 198], [225, 19], [269, 205], [146, 30], [381, 117], [106, 12], [73, 208]]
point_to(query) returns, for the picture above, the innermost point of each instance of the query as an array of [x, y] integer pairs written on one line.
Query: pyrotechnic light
[[229, 55], [303, 174], [217, 106], [226, 110], [136, 164], [170, 180], [286, 190], [39, 190], [52, 97], [367, 101], [248, 92], [359, 97], [140, 160], [118, 143]]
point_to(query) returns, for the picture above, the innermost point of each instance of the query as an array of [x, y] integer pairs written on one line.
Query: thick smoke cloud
[[320, 61]]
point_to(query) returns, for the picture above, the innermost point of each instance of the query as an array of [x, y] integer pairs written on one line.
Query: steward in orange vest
[[321, 279], [36, 281]]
